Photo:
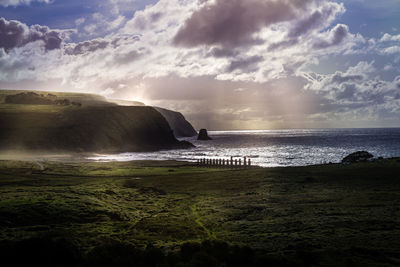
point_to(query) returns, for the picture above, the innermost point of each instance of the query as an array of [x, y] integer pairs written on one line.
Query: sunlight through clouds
[[262, 45]]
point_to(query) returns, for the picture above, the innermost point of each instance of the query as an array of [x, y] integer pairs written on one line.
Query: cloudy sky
[[225, 64]]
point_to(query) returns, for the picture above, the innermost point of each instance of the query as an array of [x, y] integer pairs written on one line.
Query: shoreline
[[77, 158], [273, 149]]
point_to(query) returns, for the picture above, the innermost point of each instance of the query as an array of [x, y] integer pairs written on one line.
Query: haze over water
[[270, 148]]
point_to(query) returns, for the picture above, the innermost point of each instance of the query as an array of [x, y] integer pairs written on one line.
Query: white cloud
[[388, 38], [261, 75], [391, 50], [7, 3], [79, 21], [357, 88], [153, 53]]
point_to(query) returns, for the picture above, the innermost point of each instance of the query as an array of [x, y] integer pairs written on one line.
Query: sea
[[273, 148]]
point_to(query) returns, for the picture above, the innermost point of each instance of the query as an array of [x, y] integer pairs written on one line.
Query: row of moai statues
[[225, 162]]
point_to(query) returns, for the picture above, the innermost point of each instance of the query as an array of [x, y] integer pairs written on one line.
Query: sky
[[225, 64]]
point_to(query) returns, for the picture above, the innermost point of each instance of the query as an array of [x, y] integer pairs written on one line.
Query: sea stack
[[203, 135]]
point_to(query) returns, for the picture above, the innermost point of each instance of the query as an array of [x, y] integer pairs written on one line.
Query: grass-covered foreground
[[322, 215]]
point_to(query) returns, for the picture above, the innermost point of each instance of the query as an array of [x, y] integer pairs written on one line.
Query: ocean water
[[271, 148]]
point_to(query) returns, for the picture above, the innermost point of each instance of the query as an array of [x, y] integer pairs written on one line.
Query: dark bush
[[41, 252], [46, 252], [359, 156], [124, 255], [27, 98]]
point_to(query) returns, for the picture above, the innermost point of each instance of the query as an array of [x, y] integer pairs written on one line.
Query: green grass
[[317, 208], [17, 108], [70, 95]]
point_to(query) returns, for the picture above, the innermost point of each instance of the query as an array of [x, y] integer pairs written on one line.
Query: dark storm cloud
[[52, 39], [11, 34], [231, 23], [16, 34], [246, 64], [338, 34]]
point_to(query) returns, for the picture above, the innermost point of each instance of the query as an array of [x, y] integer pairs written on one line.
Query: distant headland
[[74, 122]]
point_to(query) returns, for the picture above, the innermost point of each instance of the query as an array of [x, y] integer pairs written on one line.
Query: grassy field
[[341, 214]]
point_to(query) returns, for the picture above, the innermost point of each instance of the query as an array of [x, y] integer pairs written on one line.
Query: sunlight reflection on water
[[272, 148]]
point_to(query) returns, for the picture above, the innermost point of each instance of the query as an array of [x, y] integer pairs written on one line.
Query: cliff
[[178, 123], [87, 128]]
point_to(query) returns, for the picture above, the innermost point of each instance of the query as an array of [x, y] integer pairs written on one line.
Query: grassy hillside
[[328, 215], [84, 99], [86, 128]]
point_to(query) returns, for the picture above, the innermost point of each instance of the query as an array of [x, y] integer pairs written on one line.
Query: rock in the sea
[[203, 135], [359, 156]]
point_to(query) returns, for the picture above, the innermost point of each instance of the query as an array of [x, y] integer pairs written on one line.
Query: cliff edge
[[177, 122]]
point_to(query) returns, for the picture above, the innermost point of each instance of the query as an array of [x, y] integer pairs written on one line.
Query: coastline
[[90, 157], [274, 148]]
